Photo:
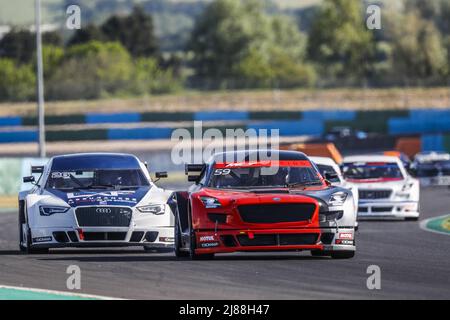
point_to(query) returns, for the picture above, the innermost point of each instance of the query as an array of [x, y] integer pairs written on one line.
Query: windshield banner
[[258, 164]]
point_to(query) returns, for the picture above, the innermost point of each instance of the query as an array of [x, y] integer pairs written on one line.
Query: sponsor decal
[[346, 236], [89, 198], [209, 244], [207, 238], [42, 239], [166, 239], [345, 242]]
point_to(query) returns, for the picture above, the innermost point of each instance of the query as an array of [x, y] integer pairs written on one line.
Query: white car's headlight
[[157, 209], [408, 186], [50, 210], [405, 191], [210, 202], [337, 199]]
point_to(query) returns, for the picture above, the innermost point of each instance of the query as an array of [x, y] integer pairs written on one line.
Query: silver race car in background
[[94, 200], [432, 168], [385, 188]]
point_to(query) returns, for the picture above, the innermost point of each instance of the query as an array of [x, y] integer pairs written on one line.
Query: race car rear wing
[[37, 169], [193, 171]]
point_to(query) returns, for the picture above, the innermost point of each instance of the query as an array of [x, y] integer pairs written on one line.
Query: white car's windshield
[[328, 169], [372, 170], [96, 179]]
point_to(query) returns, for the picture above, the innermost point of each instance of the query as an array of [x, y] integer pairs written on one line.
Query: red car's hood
[[260, 196]]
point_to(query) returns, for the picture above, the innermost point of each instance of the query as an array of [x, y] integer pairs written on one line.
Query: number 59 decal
[[221, 172]]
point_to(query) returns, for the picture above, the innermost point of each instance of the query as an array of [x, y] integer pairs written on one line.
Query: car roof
[[371, 158], [323, 160], [245, 155], [90, 161], [431, 156]]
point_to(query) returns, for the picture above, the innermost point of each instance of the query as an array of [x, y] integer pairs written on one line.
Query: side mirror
[[29, 179], [37, 169], [194, 171], [193, 178], [330, 176], [161, 174]]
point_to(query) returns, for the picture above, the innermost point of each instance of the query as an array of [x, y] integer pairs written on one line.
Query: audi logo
[[103, 210]]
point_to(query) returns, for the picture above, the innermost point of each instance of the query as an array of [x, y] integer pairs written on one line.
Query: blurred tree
[[52, 57], [418, 49], [91, 70], [88, 33], [19, 45], [17, 83], [53, 38], [135, 32], [149, 78], [339, 40], [436, 11], [238, 41]]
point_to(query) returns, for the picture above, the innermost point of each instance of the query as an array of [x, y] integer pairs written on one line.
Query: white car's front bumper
[[388, 209], [55, 237]]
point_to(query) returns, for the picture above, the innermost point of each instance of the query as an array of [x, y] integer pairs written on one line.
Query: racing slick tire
[[22, 248], [333, 254], [178, 243], [193, 246], [319, 253], [21, 219], [30, 250], [342, 254]]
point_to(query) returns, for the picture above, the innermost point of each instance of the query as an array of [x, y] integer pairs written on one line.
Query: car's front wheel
[[178, 243], [342, 254], [30, 249]]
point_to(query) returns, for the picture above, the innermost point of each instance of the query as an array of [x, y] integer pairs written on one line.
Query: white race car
[[331, 171], [94, 200], [385, 188]]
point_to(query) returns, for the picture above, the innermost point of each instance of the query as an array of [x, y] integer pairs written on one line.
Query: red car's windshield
[[249, 175]]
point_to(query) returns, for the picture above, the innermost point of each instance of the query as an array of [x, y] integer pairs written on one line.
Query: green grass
[[31, 294]]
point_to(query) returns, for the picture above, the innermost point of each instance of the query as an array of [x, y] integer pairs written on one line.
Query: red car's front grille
[[276, 213], [278, 239]]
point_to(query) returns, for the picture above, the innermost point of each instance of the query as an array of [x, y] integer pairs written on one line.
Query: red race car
[[237, 206]]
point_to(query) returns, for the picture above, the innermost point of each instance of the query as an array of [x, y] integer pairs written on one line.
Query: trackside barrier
[[432, 142], [328, 150], [290, 123], [409, 146], [11, 172]]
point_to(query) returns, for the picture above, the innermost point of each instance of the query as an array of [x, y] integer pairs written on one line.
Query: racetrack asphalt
[[414, 264]]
